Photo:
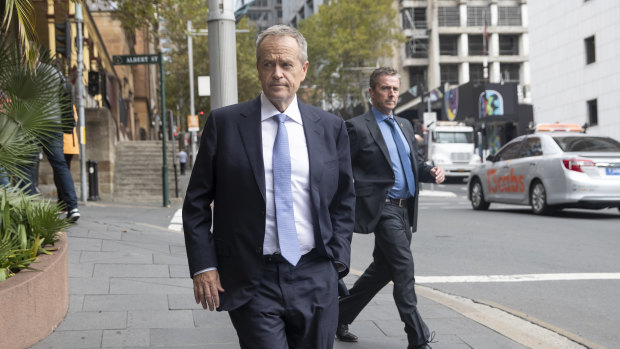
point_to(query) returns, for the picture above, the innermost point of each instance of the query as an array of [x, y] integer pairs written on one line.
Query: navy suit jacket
[[373, 172], [229, 173]]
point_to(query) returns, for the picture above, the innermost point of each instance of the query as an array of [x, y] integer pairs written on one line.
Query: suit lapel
[[375, 132], [314, 133], [250, 131]]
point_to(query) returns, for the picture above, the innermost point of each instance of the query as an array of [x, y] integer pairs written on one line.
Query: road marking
[[176, 223], [517, 278], [521, 328], [436, 193]]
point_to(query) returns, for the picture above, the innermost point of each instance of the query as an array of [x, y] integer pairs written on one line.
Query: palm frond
[[24, 10]]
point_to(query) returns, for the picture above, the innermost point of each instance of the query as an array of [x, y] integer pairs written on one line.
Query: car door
[[498, 174], [524, 168]]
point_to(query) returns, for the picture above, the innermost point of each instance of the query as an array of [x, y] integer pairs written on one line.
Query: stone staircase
[[138, 172]]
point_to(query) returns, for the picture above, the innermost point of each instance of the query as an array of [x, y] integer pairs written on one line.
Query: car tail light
[[577, 164]]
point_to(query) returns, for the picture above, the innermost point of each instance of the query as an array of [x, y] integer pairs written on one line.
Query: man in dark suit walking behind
[[278, 173], [387, 169]]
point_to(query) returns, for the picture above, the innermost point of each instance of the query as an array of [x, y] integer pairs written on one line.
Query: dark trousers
[[182, 167], [392, 261], [294, 307]]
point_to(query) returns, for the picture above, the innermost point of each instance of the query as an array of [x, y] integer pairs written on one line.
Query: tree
[[346, 39], [24, 11]]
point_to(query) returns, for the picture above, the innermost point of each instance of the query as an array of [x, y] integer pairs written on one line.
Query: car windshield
[[454, 137], [598, 144]]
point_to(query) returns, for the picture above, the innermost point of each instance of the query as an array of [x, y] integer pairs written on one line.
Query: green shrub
[[28, 227]]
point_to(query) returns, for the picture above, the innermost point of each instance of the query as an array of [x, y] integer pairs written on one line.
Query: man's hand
[[206, 289], [439, 174]]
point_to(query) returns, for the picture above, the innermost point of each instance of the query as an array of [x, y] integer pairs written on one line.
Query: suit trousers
[[392, 261], [294, 307]]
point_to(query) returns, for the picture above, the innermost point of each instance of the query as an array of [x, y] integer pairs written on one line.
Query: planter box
[[33, 303]]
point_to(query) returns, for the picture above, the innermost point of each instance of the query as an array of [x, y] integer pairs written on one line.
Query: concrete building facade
[[452, 41], [574, 55]]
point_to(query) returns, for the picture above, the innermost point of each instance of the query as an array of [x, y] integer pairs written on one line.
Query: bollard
[[93, 181]]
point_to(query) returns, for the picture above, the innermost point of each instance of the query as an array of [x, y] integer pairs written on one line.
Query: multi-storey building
[[454, 42], [294, 11], [574, 57], [264, 13]]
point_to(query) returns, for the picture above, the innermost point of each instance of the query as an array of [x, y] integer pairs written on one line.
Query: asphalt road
[[561, 271]]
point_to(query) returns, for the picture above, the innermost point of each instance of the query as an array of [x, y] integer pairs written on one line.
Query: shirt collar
[[268, 110], [379, 116]]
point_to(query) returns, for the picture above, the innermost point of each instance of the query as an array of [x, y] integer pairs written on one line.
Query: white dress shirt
[[300, 175]]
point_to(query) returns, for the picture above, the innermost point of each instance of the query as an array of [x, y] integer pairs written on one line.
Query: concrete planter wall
[[33, 303]]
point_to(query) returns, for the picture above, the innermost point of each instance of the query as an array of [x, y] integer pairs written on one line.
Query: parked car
[[550, 170]]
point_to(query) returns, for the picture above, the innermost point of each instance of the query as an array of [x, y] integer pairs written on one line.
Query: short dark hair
[[379, 72]]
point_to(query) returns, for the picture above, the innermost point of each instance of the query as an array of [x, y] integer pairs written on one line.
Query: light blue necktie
[[402, 154], [283, 195]]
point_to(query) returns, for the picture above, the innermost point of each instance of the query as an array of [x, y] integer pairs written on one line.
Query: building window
[[449, 16], [592, 112], [509, 16], [449, 74], [417, 77], [476, 73], [478, 16], [510, 72], [417, 48], [476, 45], [414, 17], [590, 50], [508, 45], [448, 45], [261, 3]]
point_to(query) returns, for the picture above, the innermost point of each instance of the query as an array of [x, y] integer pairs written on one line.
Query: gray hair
[[379, 72], [284, 30]]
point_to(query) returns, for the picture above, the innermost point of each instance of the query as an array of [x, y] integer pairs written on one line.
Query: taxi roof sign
[[558, 127]]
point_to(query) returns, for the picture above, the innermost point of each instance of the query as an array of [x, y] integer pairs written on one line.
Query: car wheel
[[477, 196], [538, 198]]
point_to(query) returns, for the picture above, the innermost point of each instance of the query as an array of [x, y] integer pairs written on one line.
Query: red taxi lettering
[[504, 184]]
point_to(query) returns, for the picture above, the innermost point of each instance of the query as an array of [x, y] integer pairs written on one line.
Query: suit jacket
[[373, 172], [229, 173]]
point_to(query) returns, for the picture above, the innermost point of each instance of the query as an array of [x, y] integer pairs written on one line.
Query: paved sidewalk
[[130, 288]]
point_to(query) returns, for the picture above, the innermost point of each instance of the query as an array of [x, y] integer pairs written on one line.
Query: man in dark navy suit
[[278, 173], [387, 169]]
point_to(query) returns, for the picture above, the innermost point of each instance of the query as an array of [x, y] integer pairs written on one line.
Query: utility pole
[[79, 19], [222, 53], [192, 108]]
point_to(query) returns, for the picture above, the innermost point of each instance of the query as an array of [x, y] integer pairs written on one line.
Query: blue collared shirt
[[399, 190]]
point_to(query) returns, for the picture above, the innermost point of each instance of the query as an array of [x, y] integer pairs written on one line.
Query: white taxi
[[553, 168]]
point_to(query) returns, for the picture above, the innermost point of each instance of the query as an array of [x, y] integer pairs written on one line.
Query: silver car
[[550, 171]]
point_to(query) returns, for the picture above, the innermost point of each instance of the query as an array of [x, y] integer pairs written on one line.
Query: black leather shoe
[[343, 334]]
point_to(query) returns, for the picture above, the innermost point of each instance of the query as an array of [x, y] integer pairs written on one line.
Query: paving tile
[[84, 244], [178, 250], [124, 338], [178, 271], [211, 319], [94, 320], [113, 302], [170, 259], [136, 246], [365, 329], [71, 339], [88, 286], [151, 286], [130, 270], [183, 301], [193, 336], [76, 303], [116, 257], [82, 270], [160, 319], [105, 235]]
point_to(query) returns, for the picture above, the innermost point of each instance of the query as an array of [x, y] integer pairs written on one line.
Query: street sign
[[135, 59]]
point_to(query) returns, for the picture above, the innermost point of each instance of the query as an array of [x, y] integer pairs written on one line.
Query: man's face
[[385, 94], [279, 69]]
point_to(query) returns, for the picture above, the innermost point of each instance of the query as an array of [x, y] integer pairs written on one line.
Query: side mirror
[[491, 158]]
